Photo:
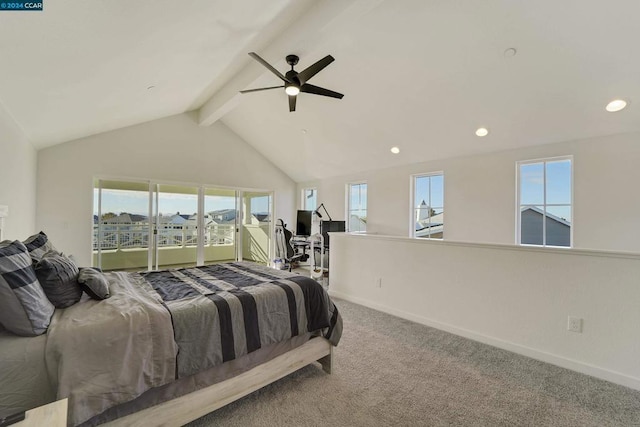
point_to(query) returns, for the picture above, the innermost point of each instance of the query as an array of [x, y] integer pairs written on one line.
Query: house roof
[[422, 75], [126, 218], [431, 222], [549, 215]]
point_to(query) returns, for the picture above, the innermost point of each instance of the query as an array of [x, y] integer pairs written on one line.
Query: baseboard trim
[[574, 365]]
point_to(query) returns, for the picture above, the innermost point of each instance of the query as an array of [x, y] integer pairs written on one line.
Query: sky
[[137, 202], [358, 203], [556, 182], [430, 184], [310, 200]]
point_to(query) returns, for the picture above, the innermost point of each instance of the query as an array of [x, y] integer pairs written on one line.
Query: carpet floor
[[392, 372]]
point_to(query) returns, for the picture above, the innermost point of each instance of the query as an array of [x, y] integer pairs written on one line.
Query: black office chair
[[284, 250]]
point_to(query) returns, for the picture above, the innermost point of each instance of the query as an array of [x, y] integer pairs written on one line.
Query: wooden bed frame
[[189, 407]]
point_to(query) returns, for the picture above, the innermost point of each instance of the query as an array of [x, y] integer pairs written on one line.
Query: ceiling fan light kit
[[296, 82], [291, 89]]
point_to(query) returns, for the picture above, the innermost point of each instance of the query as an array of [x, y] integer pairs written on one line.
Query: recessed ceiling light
[[511, 52], [616, 105], [395, 150], [482, 132]]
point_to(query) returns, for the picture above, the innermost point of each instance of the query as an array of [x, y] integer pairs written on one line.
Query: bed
[[170, 346]]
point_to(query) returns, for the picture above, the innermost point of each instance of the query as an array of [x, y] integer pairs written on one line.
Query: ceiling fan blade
[[267, 65], [262, 88], [292, 102], [316, 90], [314, 69]]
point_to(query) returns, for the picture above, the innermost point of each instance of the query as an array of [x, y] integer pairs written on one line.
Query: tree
[[108, 215]]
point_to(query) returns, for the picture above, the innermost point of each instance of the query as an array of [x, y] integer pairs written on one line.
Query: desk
[[318, 270], [304, 245]]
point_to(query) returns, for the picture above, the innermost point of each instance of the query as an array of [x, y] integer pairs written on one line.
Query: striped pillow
[[38, 245], [58, 276], [24, 308]]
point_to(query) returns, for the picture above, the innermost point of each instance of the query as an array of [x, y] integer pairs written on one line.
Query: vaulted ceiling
[[422, 75]]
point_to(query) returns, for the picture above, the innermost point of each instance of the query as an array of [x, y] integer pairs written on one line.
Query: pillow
[[58, 276], [24, 307], [94, 283], [38, 245]]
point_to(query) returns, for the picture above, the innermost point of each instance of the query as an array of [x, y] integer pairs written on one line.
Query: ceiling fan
[[296, 82]]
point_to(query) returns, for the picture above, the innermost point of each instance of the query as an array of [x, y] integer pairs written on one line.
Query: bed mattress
[[24, 382], [161, 335]]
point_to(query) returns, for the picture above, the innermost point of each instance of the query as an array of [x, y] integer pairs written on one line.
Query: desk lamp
[[317, 211]]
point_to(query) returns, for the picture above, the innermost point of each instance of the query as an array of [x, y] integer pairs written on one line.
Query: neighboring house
[[261, 217], [126, 218], [124, 231], [192, 221], [167, 222], [223, 216], [425, 211], [178, 217], [430, 226], [558, 229]]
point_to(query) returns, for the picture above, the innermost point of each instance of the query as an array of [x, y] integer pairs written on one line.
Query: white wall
[[480, 193], [508, 296], [172, 149], [511, 297], [17, 179]]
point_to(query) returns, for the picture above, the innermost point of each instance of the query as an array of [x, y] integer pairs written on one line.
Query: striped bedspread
[[223, 311]]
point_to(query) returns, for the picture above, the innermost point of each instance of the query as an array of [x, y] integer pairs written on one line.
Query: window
[[309, 199], [544, 202], [428, 206], [357, 207], [159, 225]]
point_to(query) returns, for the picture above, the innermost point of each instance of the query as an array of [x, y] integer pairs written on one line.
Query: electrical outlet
[[574, 324], [379, 282]]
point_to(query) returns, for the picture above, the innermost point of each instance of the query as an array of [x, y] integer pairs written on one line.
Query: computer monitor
[[327, 226], [303, 223]]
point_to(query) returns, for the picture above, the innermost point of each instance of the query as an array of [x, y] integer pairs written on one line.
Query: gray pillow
[[38, 245], [58, 276], [94, 283], [24, 307]]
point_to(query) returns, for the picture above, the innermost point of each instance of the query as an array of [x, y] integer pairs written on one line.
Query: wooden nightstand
[[51, 415]]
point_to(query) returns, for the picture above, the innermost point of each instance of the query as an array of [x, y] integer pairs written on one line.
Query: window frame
[[544, 161], [412, 201], [349, 186]]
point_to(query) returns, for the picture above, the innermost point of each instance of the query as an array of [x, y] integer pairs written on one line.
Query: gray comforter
[[102, 353], [159, 326]]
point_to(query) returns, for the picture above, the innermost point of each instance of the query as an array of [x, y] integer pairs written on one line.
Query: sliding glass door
[[121, 226], [257, 226], [146, 225], [221, 224], [175, 224]]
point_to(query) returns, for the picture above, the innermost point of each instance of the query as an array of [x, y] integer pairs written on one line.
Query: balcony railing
[[131, 236]]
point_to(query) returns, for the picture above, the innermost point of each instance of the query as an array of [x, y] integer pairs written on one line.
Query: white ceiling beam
[[304, 32]]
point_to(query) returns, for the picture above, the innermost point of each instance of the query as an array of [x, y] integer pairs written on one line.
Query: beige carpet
[[392, 372]]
